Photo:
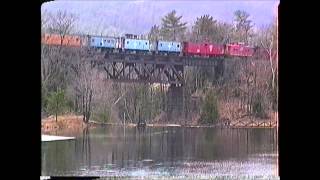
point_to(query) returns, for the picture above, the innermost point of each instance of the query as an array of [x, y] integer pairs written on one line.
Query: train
[[133, 44]]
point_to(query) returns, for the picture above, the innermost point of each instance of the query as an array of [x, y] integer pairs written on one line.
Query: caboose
[[238, 49]]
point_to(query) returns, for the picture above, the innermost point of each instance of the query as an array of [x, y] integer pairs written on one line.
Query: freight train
[[133, 44]]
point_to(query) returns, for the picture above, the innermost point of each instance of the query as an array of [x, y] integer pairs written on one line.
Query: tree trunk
[[57, 111], [272, 70], [83, 109], [89, 106], [86, 106]]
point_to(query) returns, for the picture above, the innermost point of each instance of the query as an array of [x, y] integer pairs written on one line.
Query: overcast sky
[[137, 17]]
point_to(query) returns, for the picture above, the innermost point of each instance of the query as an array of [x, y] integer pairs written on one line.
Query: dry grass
[[70, 123], [237, 117]]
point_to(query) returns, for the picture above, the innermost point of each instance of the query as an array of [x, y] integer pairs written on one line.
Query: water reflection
[[163, 151]]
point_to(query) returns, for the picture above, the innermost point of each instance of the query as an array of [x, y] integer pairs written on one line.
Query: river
[[163, 152]]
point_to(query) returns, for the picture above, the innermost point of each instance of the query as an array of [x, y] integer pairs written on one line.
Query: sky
[[137, 17]]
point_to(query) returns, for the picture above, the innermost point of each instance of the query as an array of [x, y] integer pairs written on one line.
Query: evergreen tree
[[56, 103], [172, 28]]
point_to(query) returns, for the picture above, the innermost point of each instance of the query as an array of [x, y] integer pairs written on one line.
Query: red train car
[[67, 40], [238, 49], [202, 49]]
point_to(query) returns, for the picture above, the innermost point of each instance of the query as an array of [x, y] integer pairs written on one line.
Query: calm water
[[170, 151]]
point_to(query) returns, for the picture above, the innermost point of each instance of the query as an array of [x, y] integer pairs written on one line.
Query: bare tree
[[44, 21], [268, 40], [84, 87], [154, 33], [61, 23], [204, 28], [54, 61], [242, 25]]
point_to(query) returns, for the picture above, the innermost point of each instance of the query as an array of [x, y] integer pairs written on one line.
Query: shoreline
[[262, 124], [74, 124]]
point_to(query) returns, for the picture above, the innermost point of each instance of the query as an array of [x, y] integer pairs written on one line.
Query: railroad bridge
[[151, 68]]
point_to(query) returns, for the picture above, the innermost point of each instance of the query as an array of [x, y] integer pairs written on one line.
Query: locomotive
[[133, 44]]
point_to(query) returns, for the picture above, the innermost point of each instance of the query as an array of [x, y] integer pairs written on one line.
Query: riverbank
[[72, 124], [236, 124], [66, 125]]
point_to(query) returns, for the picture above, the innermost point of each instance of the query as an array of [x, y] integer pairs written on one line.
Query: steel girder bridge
[[150, 68]]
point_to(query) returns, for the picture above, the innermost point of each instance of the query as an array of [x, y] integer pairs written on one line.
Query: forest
[[247, 88]]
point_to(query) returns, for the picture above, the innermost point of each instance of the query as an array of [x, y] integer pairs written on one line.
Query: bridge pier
[[175, 99]]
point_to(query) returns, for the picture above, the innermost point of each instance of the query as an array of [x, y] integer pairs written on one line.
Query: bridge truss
[[150, 68]]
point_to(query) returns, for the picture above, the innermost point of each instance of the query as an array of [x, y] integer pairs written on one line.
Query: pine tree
[[56, 103], [172, 29]]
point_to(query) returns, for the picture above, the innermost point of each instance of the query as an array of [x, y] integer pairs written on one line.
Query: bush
[[209, 112], [102, 115]]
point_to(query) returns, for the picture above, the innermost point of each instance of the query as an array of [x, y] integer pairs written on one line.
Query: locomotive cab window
[[146, 43], [178, 45]]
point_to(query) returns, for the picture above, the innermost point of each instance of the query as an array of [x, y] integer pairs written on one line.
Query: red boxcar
[[54, 39], [202, 49], [237, 49]]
